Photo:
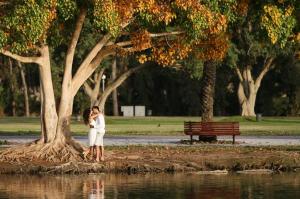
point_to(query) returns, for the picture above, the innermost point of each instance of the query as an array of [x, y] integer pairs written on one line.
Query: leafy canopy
[[263, 29], [28, 24]]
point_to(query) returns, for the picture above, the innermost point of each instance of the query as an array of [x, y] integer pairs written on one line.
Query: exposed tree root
[[76, 167], [53, 152]]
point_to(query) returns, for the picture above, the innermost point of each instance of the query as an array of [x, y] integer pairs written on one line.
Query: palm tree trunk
[[208, 92]]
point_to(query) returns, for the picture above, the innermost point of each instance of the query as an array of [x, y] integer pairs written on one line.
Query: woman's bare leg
[[92, 152], [102, 152], [98, 154]]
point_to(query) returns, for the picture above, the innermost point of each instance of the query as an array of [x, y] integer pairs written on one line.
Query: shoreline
[[208, 159], [182, 140]]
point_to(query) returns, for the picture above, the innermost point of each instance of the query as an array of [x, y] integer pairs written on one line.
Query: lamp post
[[103, 82]]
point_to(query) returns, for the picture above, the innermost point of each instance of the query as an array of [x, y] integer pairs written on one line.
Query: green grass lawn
[[158, 125]]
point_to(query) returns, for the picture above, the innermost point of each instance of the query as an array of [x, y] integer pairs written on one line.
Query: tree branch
[[152, 35], [266, 68], [96, 55], [117, 82], [93, 53], [99, 75], [73, 43], [248, 73], [87, 88], [20, 58], [82, 75], [166, 34], [97, 80], [239, 74]]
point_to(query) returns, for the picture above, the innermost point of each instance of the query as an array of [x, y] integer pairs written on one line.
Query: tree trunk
[[248, 87], [49, 115], [247, 92], [247, 102], [208, 92], [94, 92], [12, 87], [25, 90], [293, 102], [115, 91]]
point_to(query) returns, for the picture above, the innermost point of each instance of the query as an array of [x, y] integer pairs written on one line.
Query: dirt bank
[[158, 159]]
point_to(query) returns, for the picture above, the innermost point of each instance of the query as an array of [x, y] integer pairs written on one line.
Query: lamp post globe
[[103, 82]]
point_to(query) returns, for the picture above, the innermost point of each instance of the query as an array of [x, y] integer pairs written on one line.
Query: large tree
[[31, 30]]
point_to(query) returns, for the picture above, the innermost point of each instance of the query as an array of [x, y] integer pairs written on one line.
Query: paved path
[[172, 140]]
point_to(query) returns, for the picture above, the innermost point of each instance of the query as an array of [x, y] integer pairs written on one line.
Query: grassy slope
[[159, 125]]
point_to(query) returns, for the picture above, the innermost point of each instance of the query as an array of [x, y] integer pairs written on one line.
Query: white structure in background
[[127, 111], [139, 111], [130, 111]]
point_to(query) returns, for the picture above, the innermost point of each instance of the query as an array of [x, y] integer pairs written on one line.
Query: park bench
[[212, 129]]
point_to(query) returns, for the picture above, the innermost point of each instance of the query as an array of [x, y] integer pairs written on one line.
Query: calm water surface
[[186, 186]]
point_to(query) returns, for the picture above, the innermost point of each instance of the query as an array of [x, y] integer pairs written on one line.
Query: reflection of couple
[[94, 188], [95, 119], [97, 189]]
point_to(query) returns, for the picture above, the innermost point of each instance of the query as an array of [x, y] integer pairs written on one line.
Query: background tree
[[264, 31], [15, 90], [25, 89], [114, 71]]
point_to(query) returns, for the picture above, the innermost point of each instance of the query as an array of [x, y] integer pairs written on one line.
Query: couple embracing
[[95, 119]]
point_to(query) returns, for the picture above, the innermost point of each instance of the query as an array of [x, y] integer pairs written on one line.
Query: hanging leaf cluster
[[27, 24], [215, 48], [278, 22], [141, 40]]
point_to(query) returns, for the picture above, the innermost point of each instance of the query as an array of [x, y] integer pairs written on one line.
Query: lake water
[[162, 186]]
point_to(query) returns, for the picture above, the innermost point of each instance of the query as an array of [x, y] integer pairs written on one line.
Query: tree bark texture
[[247, 93], [49, 115], [208, 90]]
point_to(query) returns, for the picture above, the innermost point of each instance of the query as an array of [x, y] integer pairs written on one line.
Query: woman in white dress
[[100, 131], [90, 120]]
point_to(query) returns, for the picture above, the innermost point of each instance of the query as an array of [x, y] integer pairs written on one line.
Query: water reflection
[[186, 186], [94, 188]]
